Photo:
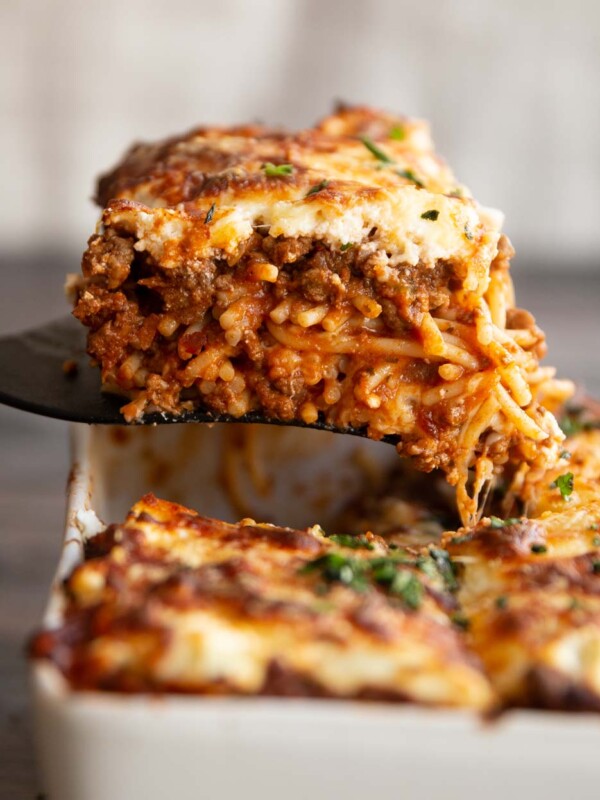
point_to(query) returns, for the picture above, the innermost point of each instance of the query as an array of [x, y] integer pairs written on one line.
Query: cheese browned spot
[[172, 601], [338, 273]]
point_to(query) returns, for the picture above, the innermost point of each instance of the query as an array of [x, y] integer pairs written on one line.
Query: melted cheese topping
[[177, 601], [337, 191]]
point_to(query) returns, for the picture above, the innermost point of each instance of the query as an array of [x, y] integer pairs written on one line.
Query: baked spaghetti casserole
[[383, 604]]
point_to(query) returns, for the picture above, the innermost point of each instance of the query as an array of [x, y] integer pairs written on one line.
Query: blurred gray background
[[512, 90]]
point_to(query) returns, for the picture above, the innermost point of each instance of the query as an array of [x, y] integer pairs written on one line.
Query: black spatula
[[33, 378]]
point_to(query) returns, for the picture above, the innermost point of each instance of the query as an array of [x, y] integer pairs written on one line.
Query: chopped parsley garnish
[[358, 574], [346, 246], [408, 587], [501, 602], [353, 542], [445, 567], [383, 157], [570, 425], [565, 454], [410, 176], [538, 549], [277, 170], [468, 233], [317, 188], [384, 569], [209, 214], [461, 621], [335, 567], [564, 484], [427, 566], [458, 192], [376, 150], [573, 422], [465, 537], [398, 133], [432, 214], [596, 567], [496, 522], [390, 574], [596, 541]]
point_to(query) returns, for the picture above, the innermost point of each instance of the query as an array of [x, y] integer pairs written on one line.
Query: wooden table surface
[[34, 465]]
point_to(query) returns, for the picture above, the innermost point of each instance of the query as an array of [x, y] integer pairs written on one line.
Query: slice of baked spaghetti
[[338, 273]]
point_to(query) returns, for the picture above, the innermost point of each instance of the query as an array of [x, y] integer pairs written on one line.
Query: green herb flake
[[574, 421], [496, 522], [564, 484], [468, 233], [445, 567], [596, 567], [335, 567], [428, 567], [432, 214], [277, 170], [596, 541], [352, 542], [398, 133], [317, 188], [461, 621], [502, 602], [408, 587], [358, 574], [409, 175], [565, 454], [465, 537], [376, 150], [346, 246], [575, 604], [383, 570], [539, 549], [209, 214], [570, 425]]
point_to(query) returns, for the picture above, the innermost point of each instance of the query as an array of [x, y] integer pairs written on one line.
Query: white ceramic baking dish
[[100, 746]]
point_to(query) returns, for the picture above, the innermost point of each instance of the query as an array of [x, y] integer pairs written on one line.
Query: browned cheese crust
[[172, 601]]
